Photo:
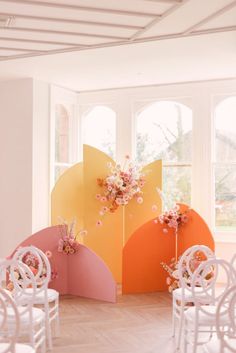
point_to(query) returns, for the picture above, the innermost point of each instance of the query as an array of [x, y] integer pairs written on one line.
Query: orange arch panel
[[149, 246]]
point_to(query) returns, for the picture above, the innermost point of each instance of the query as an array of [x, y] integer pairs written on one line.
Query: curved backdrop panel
[[149, 246], [83, 273]]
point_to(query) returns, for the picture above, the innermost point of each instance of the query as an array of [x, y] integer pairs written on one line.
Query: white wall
[[16, 99], [23, 161], [41, 153]]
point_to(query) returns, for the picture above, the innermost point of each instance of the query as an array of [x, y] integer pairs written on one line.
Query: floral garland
[[121, 185]]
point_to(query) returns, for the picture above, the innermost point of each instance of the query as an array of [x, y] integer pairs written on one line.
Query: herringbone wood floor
[[135, 324]]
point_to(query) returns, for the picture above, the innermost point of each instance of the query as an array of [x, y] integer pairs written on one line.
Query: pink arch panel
[[83, 274], [149, 246]]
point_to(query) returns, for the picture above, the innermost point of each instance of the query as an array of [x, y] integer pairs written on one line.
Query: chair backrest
[[8, 337], [38, 262], [227, 334], [18, 278], [204, 281], [190, 261], [233, 261]]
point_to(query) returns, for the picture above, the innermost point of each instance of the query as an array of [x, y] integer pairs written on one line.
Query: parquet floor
[[135, 324]]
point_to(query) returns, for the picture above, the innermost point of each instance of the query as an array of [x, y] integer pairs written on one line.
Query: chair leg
[[48, 327], [181, 322], [185, 335], [173, 318], [57, 321]]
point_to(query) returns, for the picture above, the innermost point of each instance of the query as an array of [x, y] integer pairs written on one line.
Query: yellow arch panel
[[138, 214], [105, 240]]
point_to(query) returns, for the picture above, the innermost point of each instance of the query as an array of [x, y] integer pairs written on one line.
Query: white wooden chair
[[200, 319], [182, 296], [226, 335], [46, 298], [8, 338], [32, 320]]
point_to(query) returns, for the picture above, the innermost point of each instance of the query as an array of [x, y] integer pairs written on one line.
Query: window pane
[[164, 131], [59, 170], [176, 185], [62, 133], [225, 193], [225, 129], [99, 129]]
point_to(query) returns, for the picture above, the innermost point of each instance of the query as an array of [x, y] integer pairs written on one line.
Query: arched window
[[62, 140], [225, 164], [164, 131], [99, 129]]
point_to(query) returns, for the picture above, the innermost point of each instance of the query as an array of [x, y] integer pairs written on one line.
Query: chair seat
[[19, 348], [214, 346], [179, 293], [40, 297], [37, 315], [204, 319]]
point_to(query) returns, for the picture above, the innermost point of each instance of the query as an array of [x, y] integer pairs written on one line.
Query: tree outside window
[[164, 131]]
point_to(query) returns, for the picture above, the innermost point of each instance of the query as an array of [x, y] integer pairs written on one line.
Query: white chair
[[182, 296], [45, 297], [226, 335], [200, 319], [8, 338], [32, 320]]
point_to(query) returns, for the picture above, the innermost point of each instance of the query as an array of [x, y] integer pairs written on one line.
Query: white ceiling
[[86, 44]]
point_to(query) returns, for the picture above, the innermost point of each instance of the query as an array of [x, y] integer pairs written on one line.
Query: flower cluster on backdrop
[[121, 185], [173, 218], [68, 243]]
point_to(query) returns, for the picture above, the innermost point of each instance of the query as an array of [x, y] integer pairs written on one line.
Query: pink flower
[[140, 200], [98, 196], [103, 199], [99, 223], [48, 253], [155, 221], [165, 230]]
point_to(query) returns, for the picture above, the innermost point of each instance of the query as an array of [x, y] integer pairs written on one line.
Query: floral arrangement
[[68, 243], [172, 269], [121, 185], [172, 218]]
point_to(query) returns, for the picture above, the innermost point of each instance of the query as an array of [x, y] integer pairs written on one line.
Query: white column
[[16, 99], [24, 161]]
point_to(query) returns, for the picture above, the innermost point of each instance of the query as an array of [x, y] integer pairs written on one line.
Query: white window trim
[[60, 95]]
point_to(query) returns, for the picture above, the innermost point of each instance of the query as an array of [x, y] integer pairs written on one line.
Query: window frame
[[219, 233]]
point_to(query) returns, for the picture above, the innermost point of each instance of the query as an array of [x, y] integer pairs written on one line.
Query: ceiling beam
[[115, 44], [70, 20], [210, 17], [158, 19], [22, 49], [49, 31], [165, 1], [38, 41], [84, 8]]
